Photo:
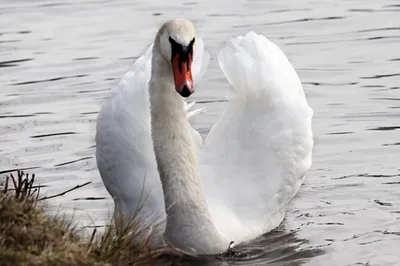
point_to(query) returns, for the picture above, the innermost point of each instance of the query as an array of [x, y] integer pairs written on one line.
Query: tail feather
[[200, 60], [192, 113]]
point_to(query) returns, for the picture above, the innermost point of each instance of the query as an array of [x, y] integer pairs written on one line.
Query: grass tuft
[[28, 236]]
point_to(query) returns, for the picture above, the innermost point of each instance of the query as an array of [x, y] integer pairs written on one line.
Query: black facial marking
[[183, 51]]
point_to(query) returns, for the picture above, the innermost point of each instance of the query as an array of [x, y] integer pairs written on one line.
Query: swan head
[[176, 41]]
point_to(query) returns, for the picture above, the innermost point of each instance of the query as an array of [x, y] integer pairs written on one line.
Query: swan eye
[[182, 50], [174, 44]]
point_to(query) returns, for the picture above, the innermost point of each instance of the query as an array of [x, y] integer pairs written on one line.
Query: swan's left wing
[[257, 154]]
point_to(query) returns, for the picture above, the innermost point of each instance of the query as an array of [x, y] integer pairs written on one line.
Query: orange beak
[[183, 75]]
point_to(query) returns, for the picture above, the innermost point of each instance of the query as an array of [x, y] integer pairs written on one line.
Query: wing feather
[[124, 149], [257, 154]]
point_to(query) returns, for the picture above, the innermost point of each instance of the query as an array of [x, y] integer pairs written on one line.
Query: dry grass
[[28, 236]]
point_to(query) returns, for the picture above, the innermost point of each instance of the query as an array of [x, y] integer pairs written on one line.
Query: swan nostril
[[185, 92]]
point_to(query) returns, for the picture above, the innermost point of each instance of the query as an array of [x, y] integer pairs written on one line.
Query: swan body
[[199, 196]]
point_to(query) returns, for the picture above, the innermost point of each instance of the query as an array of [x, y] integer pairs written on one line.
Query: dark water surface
[[58, 59]]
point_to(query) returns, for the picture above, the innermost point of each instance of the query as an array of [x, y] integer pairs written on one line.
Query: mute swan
[[234, 186]]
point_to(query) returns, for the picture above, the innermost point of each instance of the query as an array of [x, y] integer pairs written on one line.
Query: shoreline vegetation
[[29, 236]]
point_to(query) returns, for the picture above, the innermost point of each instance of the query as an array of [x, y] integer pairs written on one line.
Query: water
[[58, 59]]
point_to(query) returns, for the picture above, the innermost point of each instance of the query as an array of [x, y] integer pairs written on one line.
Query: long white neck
[[189, 225]]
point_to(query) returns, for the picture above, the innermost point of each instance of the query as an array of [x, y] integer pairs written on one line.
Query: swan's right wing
[[124, 150], [256, 155]]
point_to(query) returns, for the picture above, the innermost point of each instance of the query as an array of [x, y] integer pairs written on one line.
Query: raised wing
[[124, 150], [257, 154]]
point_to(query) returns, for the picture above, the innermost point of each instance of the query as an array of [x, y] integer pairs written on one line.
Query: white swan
[[234, 186]]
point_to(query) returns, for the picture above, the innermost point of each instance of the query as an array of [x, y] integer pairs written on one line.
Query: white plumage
[[257, 154], [252, 162]]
